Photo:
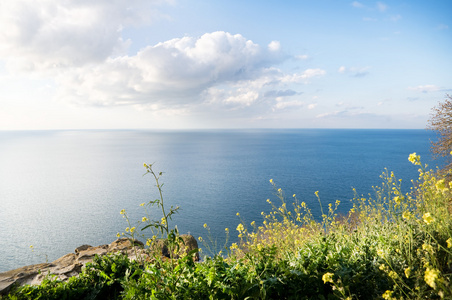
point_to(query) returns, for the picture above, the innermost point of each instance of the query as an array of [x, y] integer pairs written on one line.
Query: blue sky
[[222, 64]]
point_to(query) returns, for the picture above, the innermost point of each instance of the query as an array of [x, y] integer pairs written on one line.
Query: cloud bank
[[79, 45]]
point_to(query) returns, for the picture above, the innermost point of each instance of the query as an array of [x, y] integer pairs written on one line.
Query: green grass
[[389, 246]]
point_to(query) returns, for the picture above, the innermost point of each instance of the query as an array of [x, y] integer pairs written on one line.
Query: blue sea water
[[62, 189]]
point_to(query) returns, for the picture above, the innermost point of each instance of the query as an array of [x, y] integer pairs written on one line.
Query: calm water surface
[[62, 189]]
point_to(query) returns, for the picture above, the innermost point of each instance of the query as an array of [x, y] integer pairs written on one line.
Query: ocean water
[[62, 189]]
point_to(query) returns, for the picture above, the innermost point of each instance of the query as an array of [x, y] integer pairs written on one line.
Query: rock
[[81, 248], [189, 243], [71, 264]]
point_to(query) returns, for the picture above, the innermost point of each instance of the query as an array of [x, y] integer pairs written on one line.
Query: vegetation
[[389, 246], [441, 123]]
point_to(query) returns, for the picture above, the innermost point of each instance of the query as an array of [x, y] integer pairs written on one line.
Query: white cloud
[[274, 46], [79, 46], [354, 71], [395, 18], [381, 6], [287, 104], [55, 34], [302, 56], [304, 76], [425, 88], [357, 4], [173, 72]]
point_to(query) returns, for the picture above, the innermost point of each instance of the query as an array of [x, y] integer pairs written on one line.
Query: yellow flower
[[427, 247], [118, 234], [430, 276], [200, 239], [271, 180], [240, 227], [380, 253], [407, 272], [144, 219], [279, 190], [142, 204], [392, 274], [316, 193], [127, 229], [387, 295], [414, 159], [428, 218], [406, 215], [253, 223], [449, 242], [327, 277], [226, 229], [132, 229], [238, 214], [294, 195], [440, 185], [205, 225], [122, 212], [234, 246], [397, 199]]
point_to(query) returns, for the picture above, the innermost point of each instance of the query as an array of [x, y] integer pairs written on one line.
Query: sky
[[179, 64]]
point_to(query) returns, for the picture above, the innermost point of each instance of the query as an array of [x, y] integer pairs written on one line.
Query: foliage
[[441, 122], [390, 245]]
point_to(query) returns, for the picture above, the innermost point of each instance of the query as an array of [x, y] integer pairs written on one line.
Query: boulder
[[71, 264]]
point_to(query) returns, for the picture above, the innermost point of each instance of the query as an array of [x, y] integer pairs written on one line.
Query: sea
[[60, 189]]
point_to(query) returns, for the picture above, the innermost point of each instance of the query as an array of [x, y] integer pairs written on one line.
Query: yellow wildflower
[[294, 195], [316, 193], [406, 215], [414, 159], [327, 277], [205, 225], [132, 229], [380, 253], [271, 181], [387, 295], [407, 272], [127, 229], [440, 185], [253, 223], [122, 212], [240, 227], [142, 204], [392, 274], [237, 214], [200, 239], [226, 229], [428, 218], [118, 234], [430, 276], [427, 247], [144, 219], [449, 242]]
